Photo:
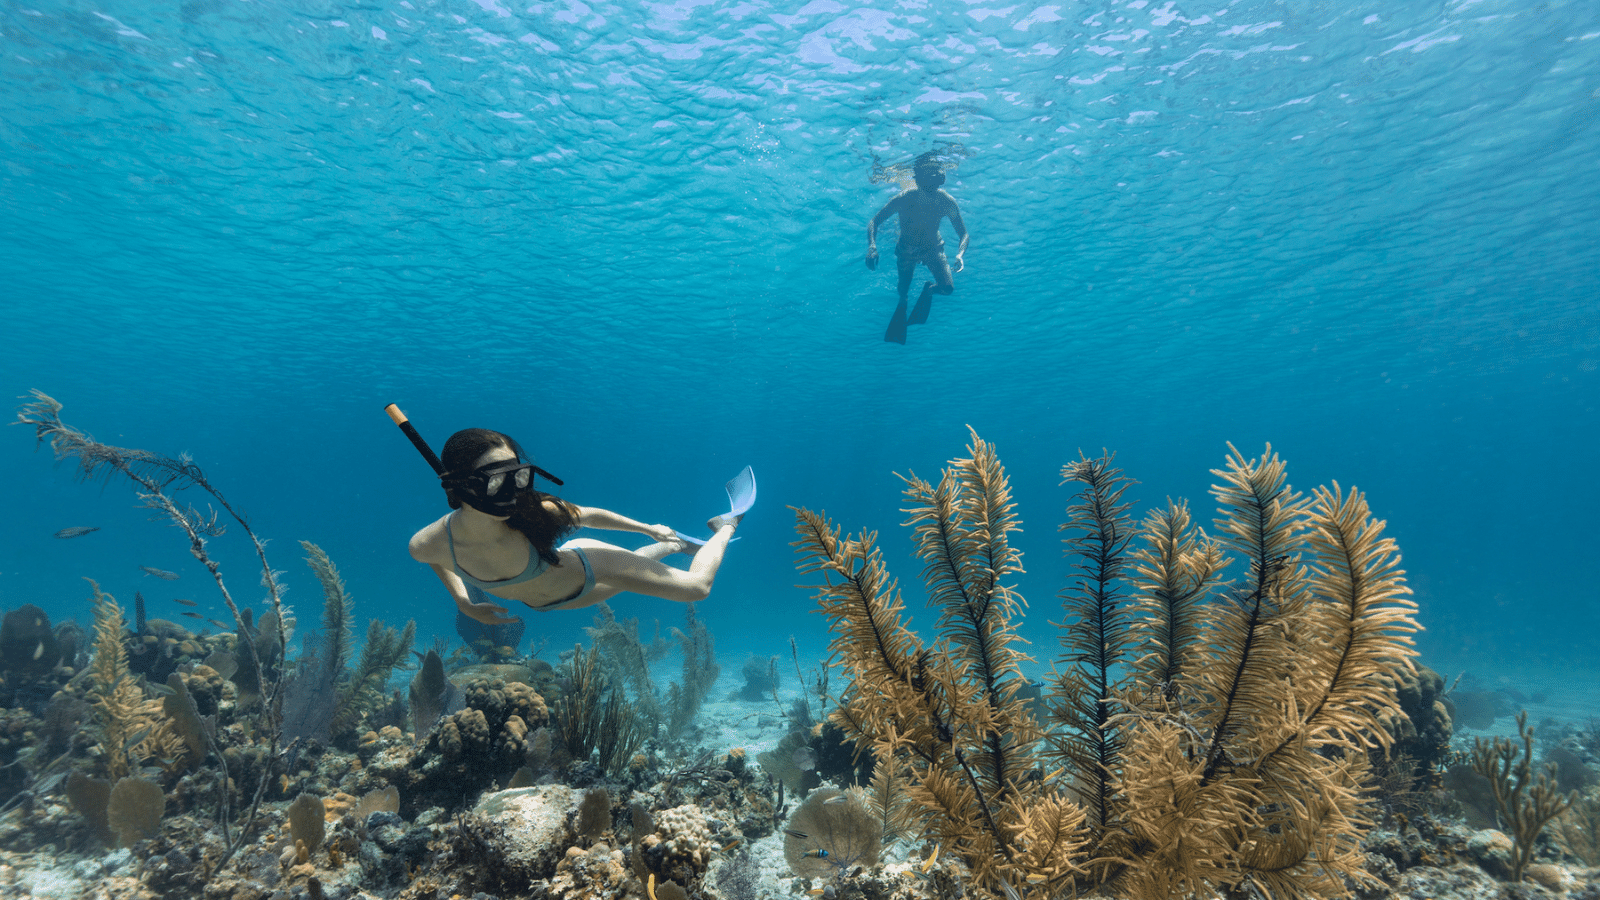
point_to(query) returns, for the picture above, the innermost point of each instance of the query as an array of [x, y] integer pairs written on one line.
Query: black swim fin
[[919, 313], [897, 325]]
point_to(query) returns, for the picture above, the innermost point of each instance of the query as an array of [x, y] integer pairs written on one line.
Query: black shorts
[[928, 256]]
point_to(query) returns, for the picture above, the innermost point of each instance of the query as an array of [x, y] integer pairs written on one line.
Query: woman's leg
[[602, 591], [641, 571]]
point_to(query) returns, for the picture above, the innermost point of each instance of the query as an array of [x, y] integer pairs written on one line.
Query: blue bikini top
[[536, 566]]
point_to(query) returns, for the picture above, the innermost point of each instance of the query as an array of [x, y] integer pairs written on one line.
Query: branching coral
[[1525, 800], [117, 695], [947, 716], [1229, 755], [1099, 530]]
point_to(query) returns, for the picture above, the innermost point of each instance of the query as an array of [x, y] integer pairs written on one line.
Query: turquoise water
[[631, 235]]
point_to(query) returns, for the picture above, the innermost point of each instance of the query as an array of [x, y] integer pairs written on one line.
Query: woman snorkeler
[[501, 540]]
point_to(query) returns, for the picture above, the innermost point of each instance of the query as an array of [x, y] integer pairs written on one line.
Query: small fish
[[221, 625], [1036, 879], [78, 531], [932, 858], [160, 573], [195, 615], [842, 798], [182, 602], [731, 844], [814, 854], [796, 834], [1011, 892]]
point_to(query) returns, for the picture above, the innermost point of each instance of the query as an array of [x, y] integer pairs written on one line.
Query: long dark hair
[[537, 523]]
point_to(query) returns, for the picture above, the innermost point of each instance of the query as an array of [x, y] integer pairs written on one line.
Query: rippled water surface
[[632, 235]]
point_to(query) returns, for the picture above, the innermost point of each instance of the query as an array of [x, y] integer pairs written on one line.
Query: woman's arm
[[487, 613], [595, 517], [426, 547]]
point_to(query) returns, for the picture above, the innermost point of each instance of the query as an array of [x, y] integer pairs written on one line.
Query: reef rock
[[528, 833]]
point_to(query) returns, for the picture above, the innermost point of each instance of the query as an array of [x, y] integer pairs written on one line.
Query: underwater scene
[[488, 450]]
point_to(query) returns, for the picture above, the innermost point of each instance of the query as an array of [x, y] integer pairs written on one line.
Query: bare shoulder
[[429, 544], [946, 200]]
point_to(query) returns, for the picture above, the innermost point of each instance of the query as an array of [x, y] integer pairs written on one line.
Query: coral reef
[[474, 749], [1196, 736], [158, 478], [432, 694]]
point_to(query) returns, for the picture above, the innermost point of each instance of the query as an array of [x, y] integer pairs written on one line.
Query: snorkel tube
[[416, 439], [427, 452]]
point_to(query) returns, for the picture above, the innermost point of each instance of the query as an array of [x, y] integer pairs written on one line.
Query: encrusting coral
[[1230, 755]]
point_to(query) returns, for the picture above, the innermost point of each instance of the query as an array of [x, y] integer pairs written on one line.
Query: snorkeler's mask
[[493, 488], [928, 171]]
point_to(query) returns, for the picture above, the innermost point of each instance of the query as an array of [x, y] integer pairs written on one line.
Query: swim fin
[[741, 490], [897, 325], [919, 313]]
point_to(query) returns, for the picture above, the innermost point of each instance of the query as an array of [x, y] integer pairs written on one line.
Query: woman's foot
[[716, 523]]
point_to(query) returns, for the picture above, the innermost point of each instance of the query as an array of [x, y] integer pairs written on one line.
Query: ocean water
[[631, 235]]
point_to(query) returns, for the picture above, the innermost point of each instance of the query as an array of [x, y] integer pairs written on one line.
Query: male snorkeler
[[920, 209]]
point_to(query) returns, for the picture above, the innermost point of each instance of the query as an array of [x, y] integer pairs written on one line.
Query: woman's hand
[[487, 613], [662, 534]]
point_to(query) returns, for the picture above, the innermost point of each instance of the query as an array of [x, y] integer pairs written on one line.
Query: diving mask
[[493, 488]]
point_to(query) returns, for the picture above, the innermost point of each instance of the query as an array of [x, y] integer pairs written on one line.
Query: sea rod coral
[[1230, 756]]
